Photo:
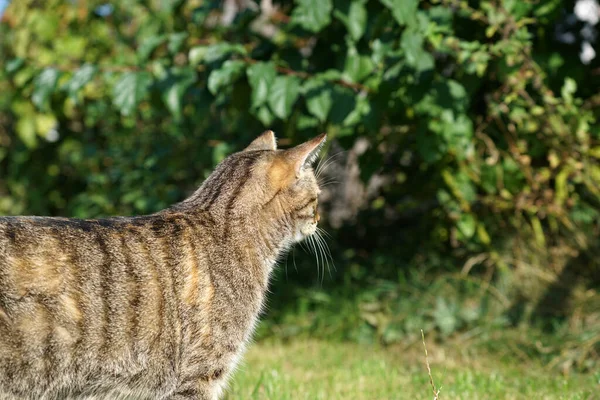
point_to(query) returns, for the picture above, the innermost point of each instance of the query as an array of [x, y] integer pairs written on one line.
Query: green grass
[[322, 370]]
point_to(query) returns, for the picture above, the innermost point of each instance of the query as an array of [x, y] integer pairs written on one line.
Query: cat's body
[[158, 306]]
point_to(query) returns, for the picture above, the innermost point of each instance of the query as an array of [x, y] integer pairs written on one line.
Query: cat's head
[[268, 186]]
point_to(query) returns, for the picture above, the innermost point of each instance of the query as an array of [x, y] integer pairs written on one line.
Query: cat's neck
[[262, 242]]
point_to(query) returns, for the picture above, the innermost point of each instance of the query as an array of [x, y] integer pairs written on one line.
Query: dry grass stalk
[[436, 392]]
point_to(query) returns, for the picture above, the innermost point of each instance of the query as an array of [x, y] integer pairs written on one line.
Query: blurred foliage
[[481, 127]]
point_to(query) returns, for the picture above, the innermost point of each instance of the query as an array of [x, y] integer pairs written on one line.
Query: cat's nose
[[317, 217]]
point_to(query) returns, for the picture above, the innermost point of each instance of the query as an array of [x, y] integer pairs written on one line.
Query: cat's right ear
[[266, 141]]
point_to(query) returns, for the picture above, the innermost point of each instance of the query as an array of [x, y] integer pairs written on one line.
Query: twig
[[436, 392]]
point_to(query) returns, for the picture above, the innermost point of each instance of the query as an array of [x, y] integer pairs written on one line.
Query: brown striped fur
[[158, 306]]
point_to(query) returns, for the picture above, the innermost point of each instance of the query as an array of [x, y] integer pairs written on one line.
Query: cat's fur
[[158, 306]]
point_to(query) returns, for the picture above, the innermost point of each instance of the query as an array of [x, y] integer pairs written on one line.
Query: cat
[[159, 306]]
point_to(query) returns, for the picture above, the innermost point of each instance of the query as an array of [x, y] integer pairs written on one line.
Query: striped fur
[[158, 306]]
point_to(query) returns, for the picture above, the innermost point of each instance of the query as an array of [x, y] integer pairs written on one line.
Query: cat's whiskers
[[321, 233], [322, 165], [328, 182], [324, 248], [320, 266]]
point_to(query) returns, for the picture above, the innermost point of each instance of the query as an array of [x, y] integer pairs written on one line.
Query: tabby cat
[[158, 306]]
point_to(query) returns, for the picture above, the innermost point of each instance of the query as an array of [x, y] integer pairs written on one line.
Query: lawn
[[322, 370]]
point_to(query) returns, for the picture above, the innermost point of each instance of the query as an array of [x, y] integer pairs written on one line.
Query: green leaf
[[362, 108], [569, 88], [357, 67], [354, 16], [329, 75], [25, 128], [176, 40], [380, 50], [196, 54], [318, 99], [312, 15], [169, 5], [148, 45], [130, 89], [344, 102], [416, 56], [265, 115], [306, 122], [283, 95], [404, 11], [215, 52], [200, 13], [466, 225], [176, 86], [79, 79], [44, 85], [261, 76], [14, 65], [224, 76]]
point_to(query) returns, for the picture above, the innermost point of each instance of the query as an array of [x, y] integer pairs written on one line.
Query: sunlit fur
[[158, 306]]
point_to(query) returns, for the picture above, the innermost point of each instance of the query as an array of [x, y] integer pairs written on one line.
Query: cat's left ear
[[305, 153], [266, 141]]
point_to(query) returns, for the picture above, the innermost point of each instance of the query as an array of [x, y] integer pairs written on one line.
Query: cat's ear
[[305, 153], [266, 141]]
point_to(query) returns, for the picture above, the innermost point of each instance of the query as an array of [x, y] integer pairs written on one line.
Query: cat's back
[[39, 256], [82, 298]]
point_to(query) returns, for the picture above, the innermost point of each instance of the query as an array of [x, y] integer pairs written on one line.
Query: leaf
[[79, 79], [357, 67], [265, 115], [354, 17], [466, 225], [14, 65], [260, 76], [176, 86], [168, 6], [25, 128], [569, 88], [344, 102], [200, 13], [44, 85], [329, 75], [215, 52], [318, 99], [416, 56], [312, 15], [404, 11], [220, 50], [130, 89], [175, 41], [196, 54], [283, 95], [363, 107], [148, 45], [222, 77], [306, 122]]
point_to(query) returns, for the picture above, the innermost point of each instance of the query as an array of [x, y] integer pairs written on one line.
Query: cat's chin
[[305, 231]]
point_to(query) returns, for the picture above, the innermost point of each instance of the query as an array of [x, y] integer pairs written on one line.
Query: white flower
[[587, 53], [588, 11]]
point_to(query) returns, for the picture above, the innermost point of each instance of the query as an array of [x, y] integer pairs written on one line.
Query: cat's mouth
[[309, 225], [316, 216]]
